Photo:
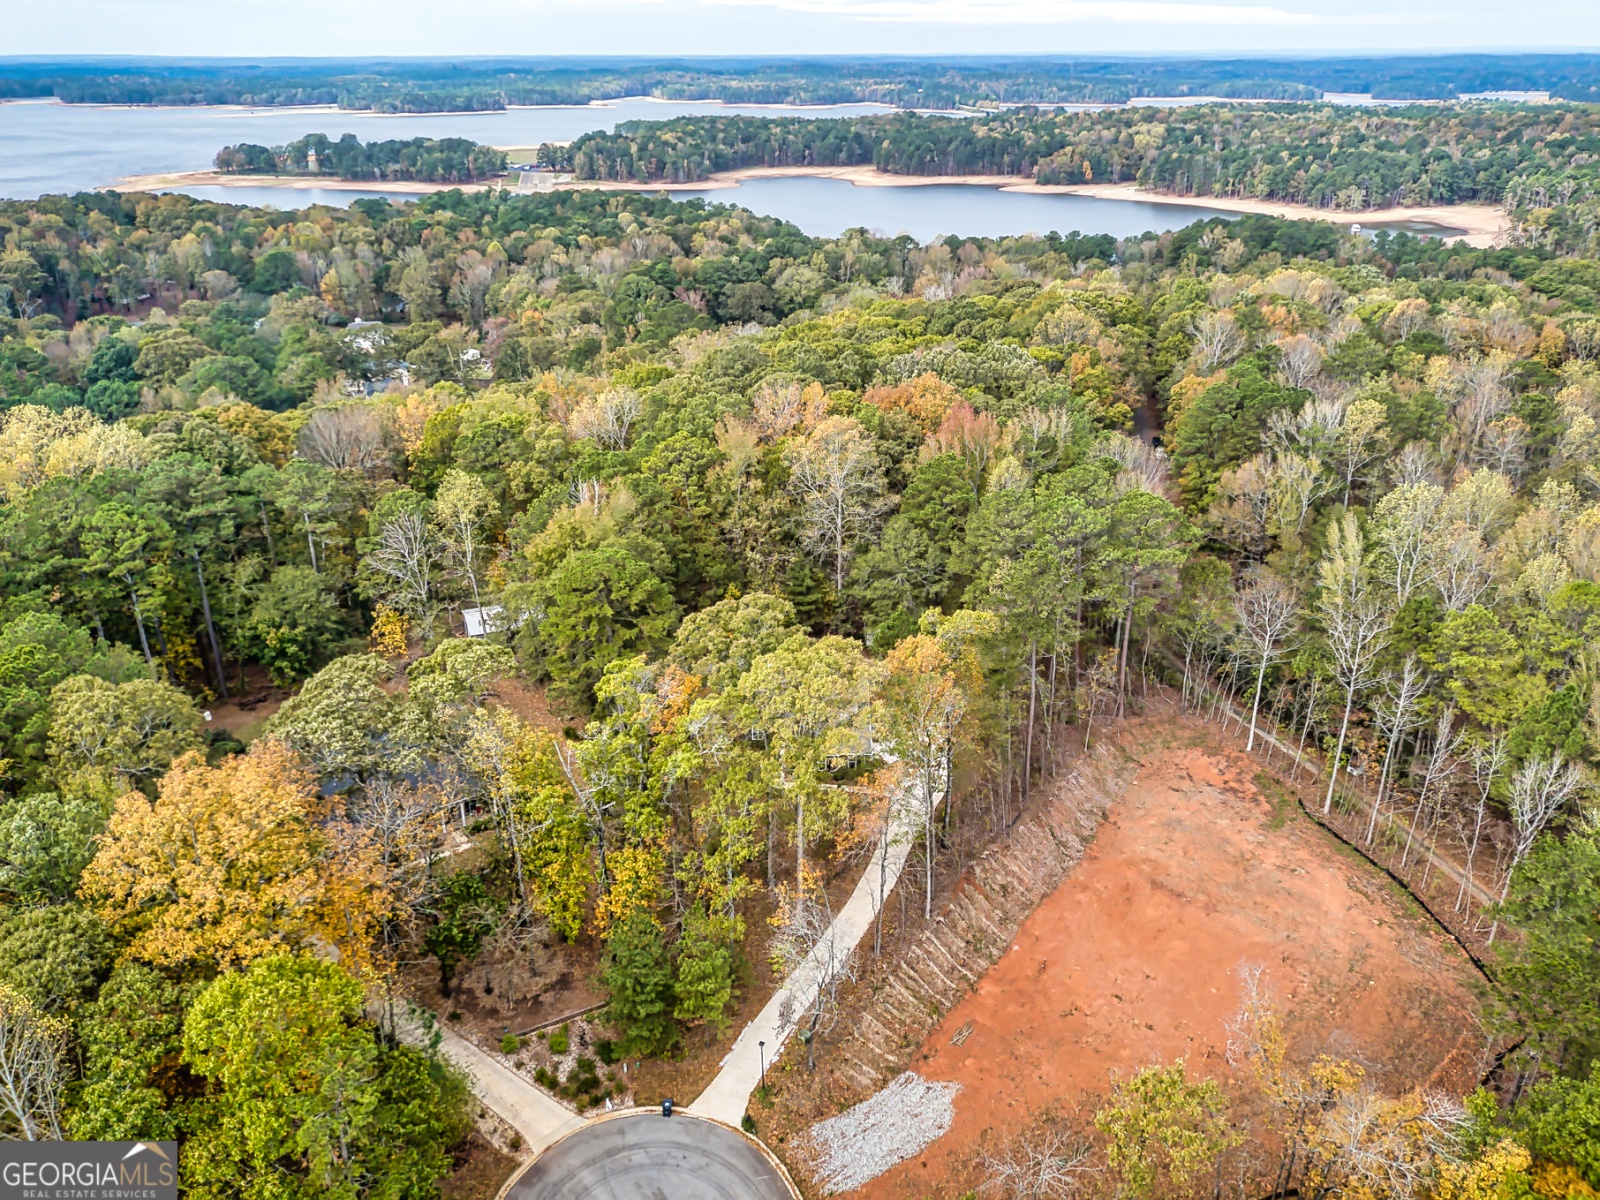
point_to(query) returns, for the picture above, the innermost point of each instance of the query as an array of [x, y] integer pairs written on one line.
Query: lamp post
[[761, 1048]]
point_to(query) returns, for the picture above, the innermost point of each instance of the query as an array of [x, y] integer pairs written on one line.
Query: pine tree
[[705, 971], [639, 977]]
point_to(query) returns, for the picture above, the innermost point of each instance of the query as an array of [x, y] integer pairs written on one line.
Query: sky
[[342, 28]]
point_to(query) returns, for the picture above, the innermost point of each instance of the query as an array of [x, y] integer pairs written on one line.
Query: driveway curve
[[645, 1156]]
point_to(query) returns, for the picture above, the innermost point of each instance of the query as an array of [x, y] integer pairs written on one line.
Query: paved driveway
[[645, 1156]]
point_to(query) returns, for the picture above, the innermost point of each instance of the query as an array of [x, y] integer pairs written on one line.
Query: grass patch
[[1284, 805]]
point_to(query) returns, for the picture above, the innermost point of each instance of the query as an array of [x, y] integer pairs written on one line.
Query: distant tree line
[[1323, 155], [429, 160], [488, 85]]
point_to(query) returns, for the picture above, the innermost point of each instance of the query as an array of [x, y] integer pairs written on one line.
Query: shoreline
[[173, 180], [1479, 224]]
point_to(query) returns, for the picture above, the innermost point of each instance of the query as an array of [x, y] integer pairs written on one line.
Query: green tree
[[37, 651], [1553, 969], [600, 606], [46, 840], [124, 543], [720, 642], [638, 975], [1485, 668], [126, 732], [56, 957], [205, 514], [705, 970], [464, 914], [293, 624], [1163, 1133], [132, 1038], [1147, 539], [811, 701], [307, 1101], [1559, 1119], [1222, 427]]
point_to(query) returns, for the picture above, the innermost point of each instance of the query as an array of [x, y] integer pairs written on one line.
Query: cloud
[[1054, 12]]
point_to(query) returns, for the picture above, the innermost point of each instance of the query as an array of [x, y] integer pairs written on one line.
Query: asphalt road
[[650, 1157]]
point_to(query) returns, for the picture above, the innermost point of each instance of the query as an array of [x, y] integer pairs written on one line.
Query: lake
[[827, 207], [46, 146]]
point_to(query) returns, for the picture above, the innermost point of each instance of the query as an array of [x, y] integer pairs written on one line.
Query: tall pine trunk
[[138, 619], [211, 628]]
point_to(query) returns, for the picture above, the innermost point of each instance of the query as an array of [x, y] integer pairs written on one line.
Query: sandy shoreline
[[181, 179], [1481, 223]]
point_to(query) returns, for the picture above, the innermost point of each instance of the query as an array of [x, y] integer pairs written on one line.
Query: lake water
[[827, 207], [48, 147]]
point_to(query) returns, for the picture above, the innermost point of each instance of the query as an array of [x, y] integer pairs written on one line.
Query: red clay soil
[[1136, 959]]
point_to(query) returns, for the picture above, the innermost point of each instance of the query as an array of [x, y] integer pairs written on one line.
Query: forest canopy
[[1326, 156], [594, 546], [427, 160]]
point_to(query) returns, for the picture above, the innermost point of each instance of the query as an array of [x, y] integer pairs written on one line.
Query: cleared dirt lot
[[1136, 958]]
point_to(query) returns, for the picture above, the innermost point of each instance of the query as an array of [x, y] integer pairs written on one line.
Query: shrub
[[558, 1041]]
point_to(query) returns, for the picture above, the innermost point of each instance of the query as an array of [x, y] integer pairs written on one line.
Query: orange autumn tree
[[234, 863], [926, 399]]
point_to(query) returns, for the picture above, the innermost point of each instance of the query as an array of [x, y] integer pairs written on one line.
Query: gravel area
[[863, 1142]]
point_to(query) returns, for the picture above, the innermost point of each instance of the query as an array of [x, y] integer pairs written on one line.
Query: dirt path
[[1136, 958]]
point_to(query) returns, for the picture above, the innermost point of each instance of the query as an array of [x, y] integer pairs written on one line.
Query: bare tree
[[1461, 568], [1299, 360], [1294, 484], [1415, 463], [513, 960], [1443, 759], [1538, 792], [780, 408], [835, 474], [1488, 758], [1143, 466], [607, 418], [1217, 339], [885, 820], [349, 437], [1050, 1159], [1396, 716], [1267, 611], [1356, 624], [1313, 430], [33, 1069], [462, 508], [406, 554], [818, 963], [1405, 528], [1243, 511]]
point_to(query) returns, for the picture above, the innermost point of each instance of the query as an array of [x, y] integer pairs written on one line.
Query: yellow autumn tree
[[233, 863]]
